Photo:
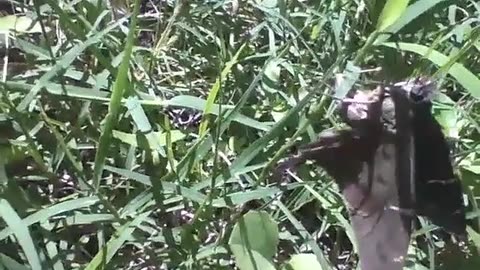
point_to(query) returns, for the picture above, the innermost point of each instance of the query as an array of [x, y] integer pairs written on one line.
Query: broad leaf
[[254, 241]]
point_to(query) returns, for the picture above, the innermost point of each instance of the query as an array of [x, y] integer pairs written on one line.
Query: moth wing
[[439, 192], [381, 226]]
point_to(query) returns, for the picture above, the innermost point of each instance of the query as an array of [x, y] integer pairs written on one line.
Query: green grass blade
[[119, 87], [212, 96], [104, 256], [143, 125]]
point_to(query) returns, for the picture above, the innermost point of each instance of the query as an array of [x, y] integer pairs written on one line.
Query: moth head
[[419, 90]]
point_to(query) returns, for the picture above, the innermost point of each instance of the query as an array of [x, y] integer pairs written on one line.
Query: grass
[[100, 169]]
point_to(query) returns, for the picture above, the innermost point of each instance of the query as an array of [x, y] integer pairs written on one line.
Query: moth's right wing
[[381, 224], [365, 169]]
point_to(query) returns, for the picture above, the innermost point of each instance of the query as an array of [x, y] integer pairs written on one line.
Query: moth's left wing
[[439, 194]]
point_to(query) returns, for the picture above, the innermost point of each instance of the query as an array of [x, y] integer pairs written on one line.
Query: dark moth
[[391, 165]]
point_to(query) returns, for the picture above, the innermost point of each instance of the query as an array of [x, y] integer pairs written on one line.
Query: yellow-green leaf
[[133, 139], [303, 262], [392, 10], [20, 24]]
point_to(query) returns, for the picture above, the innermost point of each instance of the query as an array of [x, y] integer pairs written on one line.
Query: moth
[[391, 164]]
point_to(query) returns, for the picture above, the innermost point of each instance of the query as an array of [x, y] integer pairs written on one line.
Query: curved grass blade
[[11, 264], [64, 63], [412, 12], [21, 232], [90, 94], [464, 76], [51, 211]]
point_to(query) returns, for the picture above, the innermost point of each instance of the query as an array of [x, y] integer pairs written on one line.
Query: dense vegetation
[[139, 142]]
